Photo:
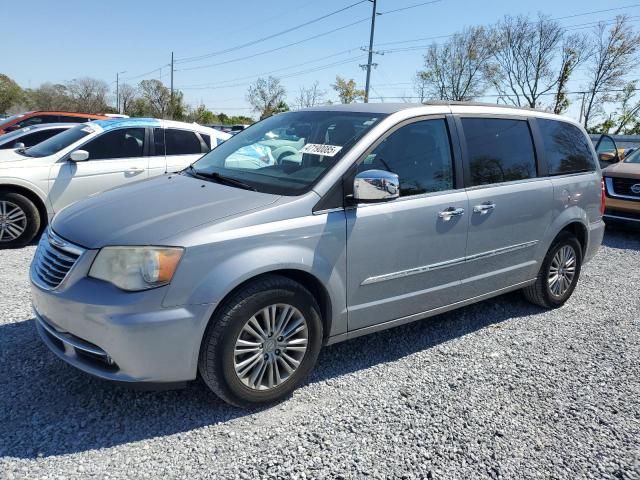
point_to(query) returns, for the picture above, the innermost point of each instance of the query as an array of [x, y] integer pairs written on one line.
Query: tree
[[615, 51], [266, 96], [309, 96], [456, 69], [127, 95], [574, 51], [88, 95], [420, 86], [48, 96], [10, 93], [627, 113], [347, 91], [525, 54], [155, 98]]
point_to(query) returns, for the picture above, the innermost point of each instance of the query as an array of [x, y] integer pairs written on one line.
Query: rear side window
[[499, 150], [70, 119], [37, 120], [566, 148], [182, 142], [122, 143]]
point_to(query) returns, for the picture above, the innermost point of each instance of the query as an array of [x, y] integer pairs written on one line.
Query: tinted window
[[37, 120], [566, 148], [122, 143], [181, 142], [420, 154], [207, 140], [158, 141], [68, 119], [499, 150]]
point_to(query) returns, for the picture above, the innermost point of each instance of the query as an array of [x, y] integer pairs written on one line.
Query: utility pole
[[118, 90], [369, 63], [171, 97]]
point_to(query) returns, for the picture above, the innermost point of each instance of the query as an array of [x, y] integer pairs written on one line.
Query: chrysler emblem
[[635, 188]]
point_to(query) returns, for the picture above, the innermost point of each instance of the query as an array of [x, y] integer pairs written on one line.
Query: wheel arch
[[30, 193], [578, 230]]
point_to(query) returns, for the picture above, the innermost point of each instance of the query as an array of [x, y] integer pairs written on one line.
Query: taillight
[[602, 197]]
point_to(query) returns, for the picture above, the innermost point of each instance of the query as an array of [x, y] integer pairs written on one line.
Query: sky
[[58, 41]]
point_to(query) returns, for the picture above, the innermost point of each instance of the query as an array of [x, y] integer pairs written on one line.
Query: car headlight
[[136, 268]]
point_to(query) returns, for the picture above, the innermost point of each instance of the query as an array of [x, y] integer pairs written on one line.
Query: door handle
[[136, 169], [484, 208], [450, 212]]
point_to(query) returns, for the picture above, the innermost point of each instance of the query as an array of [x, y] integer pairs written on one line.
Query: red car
[[36, 118]]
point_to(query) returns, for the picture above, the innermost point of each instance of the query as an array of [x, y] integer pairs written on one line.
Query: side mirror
[[376, 186], [607, 157], [79, 156], [18, 145]]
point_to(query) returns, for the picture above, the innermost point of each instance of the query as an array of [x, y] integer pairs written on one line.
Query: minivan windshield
[[286, 154], [58, 142]]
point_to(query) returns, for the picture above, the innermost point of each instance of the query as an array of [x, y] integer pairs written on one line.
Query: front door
[[404, 257], [510, 206], [115, 158]]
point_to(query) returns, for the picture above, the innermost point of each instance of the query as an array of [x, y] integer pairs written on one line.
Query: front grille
[[54, 259], [622, 186]]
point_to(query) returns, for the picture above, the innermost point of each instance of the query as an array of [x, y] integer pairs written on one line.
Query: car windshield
[[286, 154], [58, 142], [10, 119], [633, 158]]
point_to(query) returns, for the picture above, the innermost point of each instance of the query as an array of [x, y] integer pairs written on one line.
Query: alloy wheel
[[562, 270], [271, 346], [13, 221]]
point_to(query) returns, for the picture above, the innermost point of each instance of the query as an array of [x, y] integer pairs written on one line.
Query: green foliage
[[10, 93], [266, 96], [347, 91]]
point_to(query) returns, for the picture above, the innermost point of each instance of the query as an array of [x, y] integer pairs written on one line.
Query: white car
[[37, 182]]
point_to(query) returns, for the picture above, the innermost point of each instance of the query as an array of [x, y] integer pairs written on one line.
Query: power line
[[410, 7], [268, 37], [264, 52]]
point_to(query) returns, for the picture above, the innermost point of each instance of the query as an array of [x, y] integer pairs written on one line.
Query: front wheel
[[19, 220], [262, 342], [558, 275]]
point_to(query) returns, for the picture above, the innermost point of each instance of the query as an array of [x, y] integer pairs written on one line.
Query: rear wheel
[[558, 275], [19, 220], [262, 343]]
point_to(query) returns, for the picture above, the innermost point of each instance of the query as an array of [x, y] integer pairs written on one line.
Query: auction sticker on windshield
[[318, 149]]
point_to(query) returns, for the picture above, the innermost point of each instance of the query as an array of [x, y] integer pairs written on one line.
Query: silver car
[[240, 271]]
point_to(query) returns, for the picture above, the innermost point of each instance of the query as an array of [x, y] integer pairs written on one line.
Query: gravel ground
[[500, 389]]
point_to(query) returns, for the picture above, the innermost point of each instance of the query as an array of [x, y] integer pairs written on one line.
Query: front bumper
[[120, 336]]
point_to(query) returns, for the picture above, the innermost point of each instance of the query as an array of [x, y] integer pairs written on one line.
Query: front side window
[[633, 157], [566, 148], [71, 119], [121, 143], [287, 153], [419, 153], [35, 138], [58, 142], [499, 150], [182, 142]]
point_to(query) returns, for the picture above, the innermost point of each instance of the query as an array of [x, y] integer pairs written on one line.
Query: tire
[[226, 335], [19, 220], [542, 291]]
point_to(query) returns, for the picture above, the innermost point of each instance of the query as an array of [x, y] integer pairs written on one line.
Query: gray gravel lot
[[500, 389]]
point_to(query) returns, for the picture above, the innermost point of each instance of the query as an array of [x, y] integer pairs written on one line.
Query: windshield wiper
[[221, 179]]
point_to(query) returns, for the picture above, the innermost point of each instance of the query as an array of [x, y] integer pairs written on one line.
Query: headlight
[[136, 268]]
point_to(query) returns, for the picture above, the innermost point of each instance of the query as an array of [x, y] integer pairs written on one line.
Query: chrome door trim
[[419, 316], [449, 263]]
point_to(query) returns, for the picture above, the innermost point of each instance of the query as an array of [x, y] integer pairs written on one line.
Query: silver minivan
[[242, 266]]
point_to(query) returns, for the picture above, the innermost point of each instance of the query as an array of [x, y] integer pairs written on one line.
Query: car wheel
[[19, 220], [558, 276], [262, 342]]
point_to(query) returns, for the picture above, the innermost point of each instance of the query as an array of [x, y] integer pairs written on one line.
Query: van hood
[[146, 212]]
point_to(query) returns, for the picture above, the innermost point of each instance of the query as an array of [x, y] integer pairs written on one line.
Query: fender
[[315, 245], [7, 182]]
